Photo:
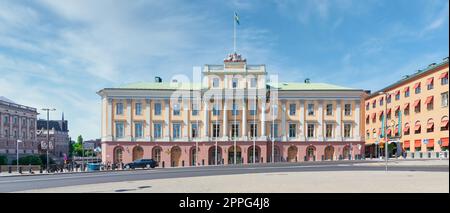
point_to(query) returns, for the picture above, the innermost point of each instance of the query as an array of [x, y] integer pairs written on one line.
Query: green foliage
[[43, 158], [29, 160], [3, 160]]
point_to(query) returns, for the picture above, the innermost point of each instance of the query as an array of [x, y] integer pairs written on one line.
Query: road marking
[[143, 172]]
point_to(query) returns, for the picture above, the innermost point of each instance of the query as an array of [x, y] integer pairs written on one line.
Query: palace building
[[416, 109], [237, 114]]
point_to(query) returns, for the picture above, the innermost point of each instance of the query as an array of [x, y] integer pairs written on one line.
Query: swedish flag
[[236, 18]]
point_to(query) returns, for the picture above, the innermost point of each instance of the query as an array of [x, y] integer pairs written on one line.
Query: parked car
[[142, 163]]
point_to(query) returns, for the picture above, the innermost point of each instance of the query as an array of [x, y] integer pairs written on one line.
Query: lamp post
[[385, 130], [17, 155], [48, 133]]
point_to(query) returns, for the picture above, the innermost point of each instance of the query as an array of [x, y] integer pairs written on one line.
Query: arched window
[[444, 123], [118, 155], [430, 125], [417, 127], [156, 154], [406, 129]]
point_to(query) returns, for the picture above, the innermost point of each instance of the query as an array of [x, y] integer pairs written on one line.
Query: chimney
[[158, 79], [307, 81]]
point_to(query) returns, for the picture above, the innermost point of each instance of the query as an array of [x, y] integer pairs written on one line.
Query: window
[[388, 99], [329, 109], [253, 130], [138, 133], [215, 82], [407, 93], [274, 130], [374, 104], [234, 111], [388, 114], [430, 103], [176, 130], [417, 128], [430, 126], [367, 119], [138, 109], [119, 109], [444, 123], [347, 130], [157, 108], [216, 111], [292, 108], [397, 96], [234, 130], [406, 131], [157, 130], [310, 132], [444, 99], [5, 120], [347, 109], [381, 101], [367, 106], [194, 109], [15, 120], [234, 82], [253, 82], [329, 130], [444, 78], [253, 109], [275, 110], [216, 130], [417, 106], [292, 130], [417, 89], [310, 109], [176, 109], [119, 130], [406, 110], [194, 130], [430, 83]]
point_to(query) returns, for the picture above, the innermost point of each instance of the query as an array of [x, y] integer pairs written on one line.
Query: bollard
[[182, 163], [203, 162], [9, 169], [40, 170], [20, 170], [163, 164], [30, 170], [314, 158]]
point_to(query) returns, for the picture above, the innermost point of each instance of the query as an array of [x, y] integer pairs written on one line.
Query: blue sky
[[60, 53]]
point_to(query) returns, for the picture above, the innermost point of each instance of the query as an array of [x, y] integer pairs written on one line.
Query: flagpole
[[234, 34]]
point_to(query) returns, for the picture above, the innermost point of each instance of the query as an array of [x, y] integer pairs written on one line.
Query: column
[[283, 120], [28, 129], [11, 131], [148, 121], [302, 120], [19, 132], [263, 119], [225, 119], [320, 121], [129, 135], [338, 120], [1, 125], [357, 120], [166, 119], [109, 117], [244, 120], [206, 119], [185, 120]]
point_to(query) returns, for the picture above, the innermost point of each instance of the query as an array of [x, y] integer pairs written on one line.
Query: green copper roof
[[161, 86], [307, 86]]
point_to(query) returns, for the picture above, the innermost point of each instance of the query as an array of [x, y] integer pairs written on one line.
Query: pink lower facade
[[183, 154]]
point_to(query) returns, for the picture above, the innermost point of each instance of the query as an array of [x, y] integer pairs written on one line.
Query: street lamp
[[17, 155], [48, 133], [385, 129]]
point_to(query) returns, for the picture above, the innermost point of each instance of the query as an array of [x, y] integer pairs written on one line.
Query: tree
[[3, 160], [77, 147], [29, 160]]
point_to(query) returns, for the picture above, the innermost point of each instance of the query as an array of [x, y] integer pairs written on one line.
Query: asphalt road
[[20, 183]]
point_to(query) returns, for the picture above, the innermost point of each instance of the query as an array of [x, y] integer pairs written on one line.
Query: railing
[[17, 106]]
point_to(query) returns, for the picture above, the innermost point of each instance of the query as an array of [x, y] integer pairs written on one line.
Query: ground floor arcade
[[176, 154]]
